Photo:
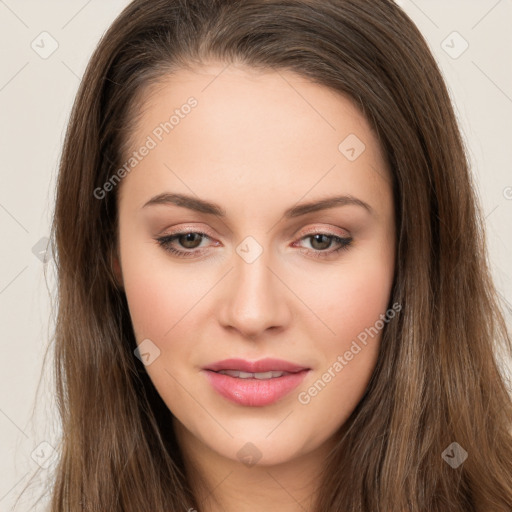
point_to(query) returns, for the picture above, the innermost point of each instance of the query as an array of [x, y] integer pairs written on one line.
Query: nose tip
[[253, 300]]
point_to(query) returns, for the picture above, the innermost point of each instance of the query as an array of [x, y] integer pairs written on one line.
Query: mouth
[[254, 384], [249, 375], [262, 366]]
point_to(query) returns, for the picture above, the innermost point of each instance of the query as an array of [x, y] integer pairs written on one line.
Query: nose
[[255, 298]]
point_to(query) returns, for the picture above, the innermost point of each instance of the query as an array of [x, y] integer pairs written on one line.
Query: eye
[[191, 240], [322, 241]]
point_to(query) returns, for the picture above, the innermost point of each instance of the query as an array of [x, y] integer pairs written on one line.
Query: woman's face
[[260, 274]]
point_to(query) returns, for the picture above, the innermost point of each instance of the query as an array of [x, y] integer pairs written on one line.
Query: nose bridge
[[254, 300]]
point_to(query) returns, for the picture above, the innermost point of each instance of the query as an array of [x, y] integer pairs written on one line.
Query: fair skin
[[256, 144]]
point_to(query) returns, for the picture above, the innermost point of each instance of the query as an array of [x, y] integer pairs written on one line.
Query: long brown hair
[[437, 379]]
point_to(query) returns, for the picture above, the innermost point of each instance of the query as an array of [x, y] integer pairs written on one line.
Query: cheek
[[350, 298], [159, 293], [148, 296], [352, 305], [162, 301]]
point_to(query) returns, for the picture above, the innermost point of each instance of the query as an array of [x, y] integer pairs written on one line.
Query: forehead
[[250, 130]]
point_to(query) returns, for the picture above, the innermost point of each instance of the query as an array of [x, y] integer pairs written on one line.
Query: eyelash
[[165, 242]]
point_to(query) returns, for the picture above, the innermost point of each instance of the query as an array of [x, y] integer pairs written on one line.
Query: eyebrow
[[202, 206]]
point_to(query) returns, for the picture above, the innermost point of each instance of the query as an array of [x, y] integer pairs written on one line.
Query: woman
[[273, 289]]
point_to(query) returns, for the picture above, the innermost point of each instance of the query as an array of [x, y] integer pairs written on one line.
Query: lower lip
[[254, 392]]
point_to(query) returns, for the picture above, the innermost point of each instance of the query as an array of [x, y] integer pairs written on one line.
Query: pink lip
[[255, 392]]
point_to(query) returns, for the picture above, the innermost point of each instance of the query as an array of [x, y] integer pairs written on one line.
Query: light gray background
[[36, 95]]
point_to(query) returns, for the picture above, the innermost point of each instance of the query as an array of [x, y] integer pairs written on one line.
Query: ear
[[116, 269]]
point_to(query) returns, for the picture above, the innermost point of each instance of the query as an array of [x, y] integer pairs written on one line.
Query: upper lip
[[262, 365]]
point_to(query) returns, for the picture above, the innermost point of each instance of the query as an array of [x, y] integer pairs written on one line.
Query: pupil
[[318, 238], [189, 239]]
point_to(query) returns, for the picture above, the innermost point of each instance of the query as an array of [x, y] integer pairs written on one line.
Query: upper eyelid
[[311, 231]]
